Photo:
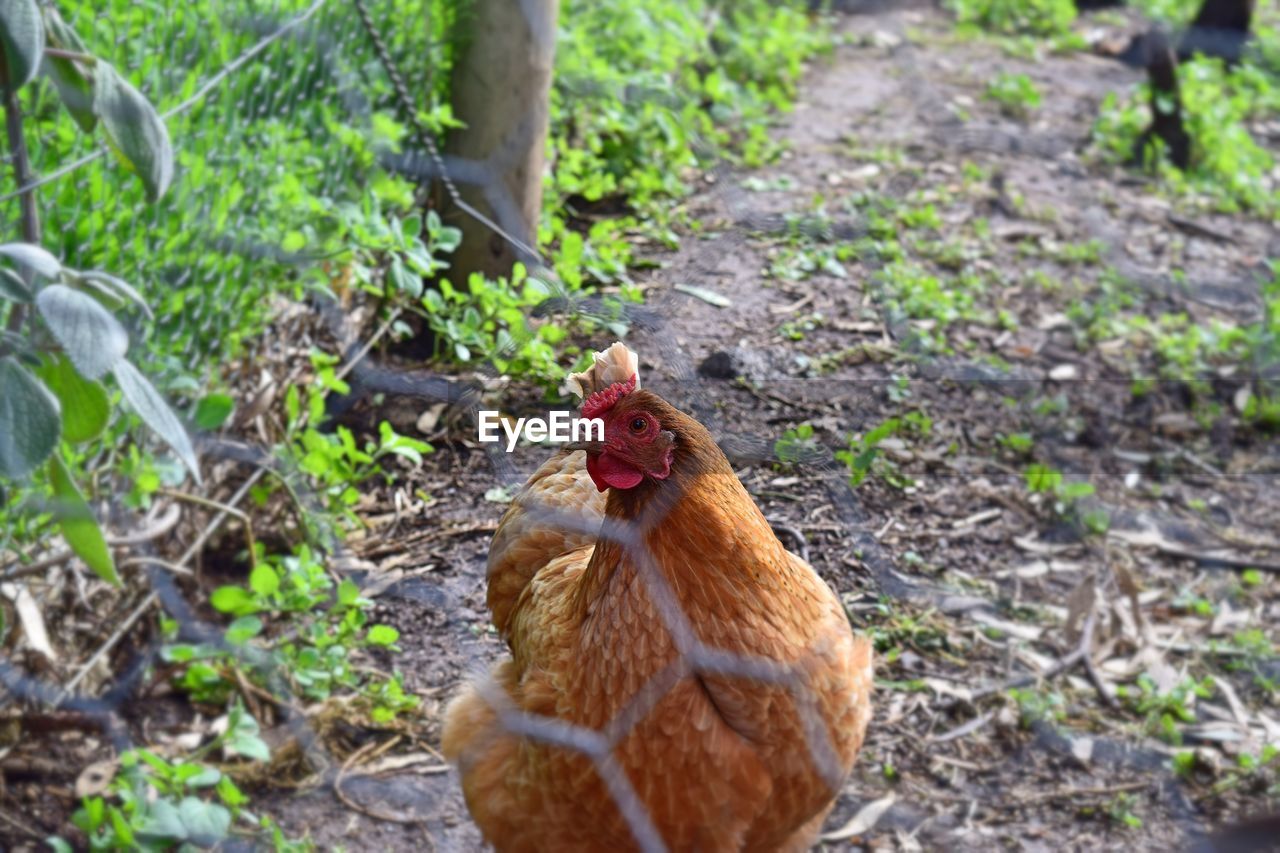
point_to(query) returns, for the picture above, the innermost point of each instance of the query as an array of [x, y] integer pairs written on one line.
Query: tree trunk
[[1220, 29], [501, 89]]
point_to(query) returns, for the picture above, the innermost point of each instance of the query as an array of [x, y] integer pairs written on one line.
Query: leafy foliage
[[1229, 166], [1016, 94], [1040, 17]]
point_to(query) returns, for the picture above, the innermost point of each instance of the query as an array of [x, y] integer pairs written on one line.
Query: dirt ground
[[969, 582], [989, 728]]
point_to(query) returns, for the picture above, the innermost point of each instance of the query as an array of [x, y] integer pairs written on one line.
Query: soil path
[[969, 582]]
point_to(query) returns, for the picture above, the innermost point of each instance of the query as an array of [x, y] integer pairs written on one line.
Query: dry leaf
[[1035, 546], [1082, 749], [864, 821], [1079, 606], [95, 778], [31, 619], [428, 420]]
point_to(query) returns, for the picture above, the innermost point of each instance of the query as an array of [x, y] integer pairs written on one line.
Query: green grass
[[1229, 168]]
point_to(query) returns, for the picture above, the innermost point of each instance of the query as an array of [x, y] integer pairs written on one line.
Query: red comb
[[602, 401]]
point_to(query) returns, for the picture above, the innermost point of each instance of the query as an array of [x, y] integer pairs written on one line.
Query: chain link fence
[[272, 89]]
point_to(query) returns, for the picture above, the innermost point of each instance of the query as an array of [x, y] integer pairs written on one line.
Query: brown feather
[[721, 761]]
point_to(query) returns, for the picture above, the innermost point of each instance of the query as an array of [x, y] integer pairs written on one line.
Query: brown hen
[[644, 597]]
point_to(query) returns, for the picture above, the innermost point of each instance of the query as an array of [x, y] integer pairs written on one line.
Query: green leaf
[[84, 402], [243, 629], [348, 593], [23, 38], [1042, 478], [29, 420], [243, 738], [206, 823], [232, 599], [382, 635], [114, 288], [93, 339], [212, 411], [123, 831], [708, 296], [73, 85], [264, 580], [230, 794], [30, 256], [152, 408], [163, 823], [78, 525], [133, 128], [12, 286]]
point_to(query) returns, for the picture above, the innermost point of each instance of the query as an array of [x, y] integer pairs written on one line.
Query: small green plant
[[332, 463], [154, 803], [796, 329], [894, 629], [1121, 810], [864, 455], [1162, 712], [1068, 497], [1037, 17], [489, 320], [1228, 166], [1036, 705], [317, 628], [797, 445], [54, 397], [1016, 94]]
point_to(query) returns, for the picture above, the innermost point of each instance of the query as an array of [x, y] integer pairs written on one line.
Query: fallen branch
[[154, 596]]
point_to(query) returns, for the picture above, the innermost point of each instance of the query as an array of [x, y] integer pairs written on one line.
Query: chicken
[[645, 598]]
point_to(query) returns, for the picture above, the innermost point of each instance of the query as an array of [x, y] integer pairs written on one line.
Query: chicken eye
[[639, 425]]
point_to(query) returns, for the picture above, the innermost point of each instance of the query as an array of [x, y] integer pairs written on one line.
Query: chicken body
[[716, 761]]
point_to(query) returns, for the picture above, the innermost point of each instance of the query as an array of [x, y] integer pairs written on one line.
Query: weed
[[1036, 705], [1069, 498], [1039, 17], [864, 455], [1228, 166], [1121, 810], [1162, 712], [154, 803], [797, 445], [1016, 94]]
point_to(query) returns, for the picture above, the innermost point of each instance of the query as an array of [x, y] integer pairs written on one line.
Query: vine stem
[[71, 54], [22, 174]]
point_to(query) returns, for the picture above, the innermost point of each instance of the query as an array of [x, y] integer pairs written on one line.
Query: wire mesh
[[270, 89]]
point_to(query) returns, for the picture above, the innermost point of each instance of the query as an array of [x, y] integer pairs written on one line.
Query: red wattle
[[609, 472]]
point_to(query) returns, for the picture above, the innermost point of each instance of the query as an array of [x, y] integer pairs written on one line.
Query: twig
[[162, 526], [14, 822], [1232, 560], [71, 54], [154, 596], [368, 345], [379, 548], [1192, 458], [229, 510], [1068, 793], [965, 728], [795, 534], [978, 518], [144, 560], [368, 751], [1086, 644], [22, 175]]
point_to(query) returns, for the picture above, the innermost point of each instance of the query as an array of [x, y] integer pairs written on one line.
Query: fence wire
[[271, 88]]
